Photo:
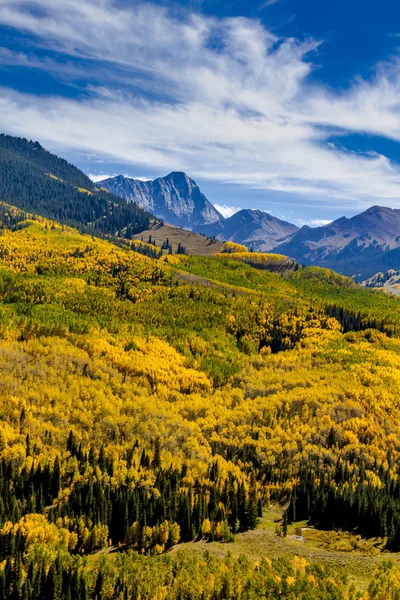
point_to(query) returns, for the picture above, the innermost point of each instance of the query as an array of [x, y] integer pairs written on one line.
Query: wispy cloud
[[318, 222], [223, 99], [227, 211], [141, 178], [267, 3], [97, 178]]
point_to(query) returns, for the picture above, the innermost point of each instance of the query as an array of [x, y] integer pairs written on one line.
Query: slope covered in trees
[[146, 402], [37, 181]]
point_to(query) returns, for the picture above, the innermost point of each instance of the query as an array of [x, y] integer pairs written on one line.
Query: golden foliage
[[232, 247]]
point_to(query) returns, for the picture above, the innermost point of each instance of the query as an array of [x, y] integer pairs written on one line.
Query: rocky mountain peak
[[175, 198]]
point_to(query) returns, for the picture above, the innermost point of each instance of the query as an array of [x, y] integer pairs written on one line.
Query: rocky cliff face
[[176, 199]]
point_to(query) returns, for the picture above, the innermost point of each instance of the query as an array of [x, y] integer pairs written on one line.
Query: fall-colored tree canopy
[[148, 399]]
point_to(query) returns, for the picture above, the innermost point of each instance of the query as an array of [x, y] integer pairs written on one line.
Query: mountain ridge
[[358, 246], [256, 229], [178, 200]]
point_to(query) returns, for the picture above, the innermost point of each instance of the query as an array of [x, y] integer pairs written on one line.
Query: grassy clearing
[[346, 554]]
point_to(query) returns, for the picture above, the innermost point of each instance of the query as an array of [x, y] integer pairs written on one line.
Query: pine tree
[[284, 524], [156, 463], [251, 508]]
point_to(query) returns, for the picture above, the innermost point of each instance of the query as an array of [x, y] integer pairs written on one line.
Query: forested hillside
[[37, 181], [147, 402]]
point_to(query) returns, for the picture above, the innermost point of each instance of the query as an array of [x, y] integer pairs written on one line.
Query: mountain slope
[[256, 229], [40, 182], [359, 246], [140, 408], [175, 198]]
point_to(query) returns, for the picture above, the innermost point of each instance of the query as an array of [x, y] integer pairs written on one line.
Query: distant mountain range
[[389, 280], [256, 229], [358, 247], [178, 200], [39, 182]]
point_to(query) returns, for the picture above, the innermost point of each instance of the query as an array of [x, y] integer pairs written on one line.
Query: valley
[[189, 419], [199, 300]]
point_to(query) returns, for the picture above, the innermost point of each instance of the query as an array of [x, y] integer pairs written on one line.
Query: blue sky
[[289, 106]]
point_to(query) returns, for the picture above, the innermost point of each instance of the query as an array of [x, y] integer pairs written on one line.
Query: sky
[[288, 106]]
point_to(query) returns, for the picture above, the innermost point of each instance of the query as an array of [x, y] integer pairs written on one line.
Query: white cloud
[[268, 3], [140, 178], [102, 176], [225, 100], [227, 211], [318, 222], [97, 178]]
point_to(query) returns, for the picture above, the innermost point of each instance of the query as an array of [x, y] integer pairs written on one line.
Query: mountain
[[176, 198], [358, 247], [36, 181], [389, 282], [256, 229]]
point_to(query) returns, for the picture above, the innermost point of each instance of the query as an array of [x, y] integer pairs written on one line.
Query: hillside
[[357, 247], [37, 181], [175, 198], [255, 229], [193, 243], [145, 403]]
